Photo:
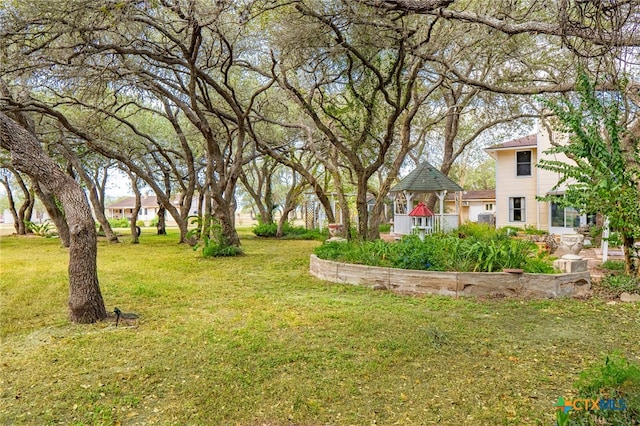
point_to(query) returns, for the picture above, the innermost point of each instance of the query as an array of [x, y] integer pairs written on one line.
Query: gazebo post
[[441, 195]]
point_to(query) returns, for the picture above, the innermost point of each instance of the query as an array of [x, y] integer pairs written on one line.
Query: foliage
[[140, 223], [613, 265], [474, 248], [617, 379], [210, 248], [154, 222], [44, 229], [119, 223], [384, 227], [265, 229], [269, 230], [532, 230], [618, 284], [211, 240], [605, 168], [509, 230], [477, 230]]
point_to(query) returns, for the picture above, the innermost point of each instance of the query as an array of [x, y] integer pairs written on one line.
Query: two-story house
[[519, 182]]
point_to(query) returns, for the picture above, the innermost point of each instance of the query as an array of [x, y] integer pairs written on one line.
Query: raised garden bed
[[500, 284]]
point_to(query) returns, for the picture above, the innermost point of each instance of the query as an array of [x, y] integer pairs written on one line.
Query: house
[[417, 185], [148, 210], [475, 205], [519, 182]]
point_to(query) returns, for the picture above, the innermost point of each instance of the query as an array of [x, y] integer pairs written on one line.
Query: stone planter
[[336, 229], [572, 243]]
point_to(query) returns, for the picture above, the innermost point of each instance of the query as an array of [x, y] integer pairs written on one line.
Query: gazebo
[[424, 179]]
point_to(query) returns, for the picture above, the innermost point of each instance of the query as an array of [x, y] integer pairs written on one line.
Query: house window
[[488, 207], [523, 163], [400, 203], [146, 212], [517, 209], [564, 217]]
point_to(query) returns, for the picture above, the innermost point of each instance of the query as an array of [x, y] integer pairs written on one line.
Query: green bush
[[140, 223], [617, 380], [212, 249], [215, 246], [265, 229], [477, 230], [613, 265], [119, 223], [154, 222], [44, 229], [289, 232], [619, 283], [384, 228]]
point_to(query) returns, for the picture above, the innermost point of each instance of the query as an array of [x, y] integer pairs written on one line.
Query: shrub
[[613, 265], [384, 227], [217, 245], [477, 230], [481, 250], [532, 230], [289, 232], [140, 223], [119, 223], [617, 380], [211, 249], [265, 229], [154, 222], [44, 229], [618, 284]]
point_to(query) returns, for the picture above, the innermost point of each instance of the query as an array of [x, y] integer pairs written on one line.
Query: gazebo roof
[[425, 178]]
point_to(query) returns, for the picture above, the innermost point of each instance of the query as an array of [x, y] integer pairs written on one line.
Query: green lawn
[[256, 340]]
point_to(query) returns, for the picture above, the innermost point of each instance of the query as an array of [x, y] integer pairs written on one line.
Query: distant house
[[474, 204], [519, 182], [148, 211]]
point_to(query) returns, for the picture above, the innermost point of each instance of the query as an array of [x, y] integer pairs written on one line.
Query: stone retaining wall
[[454, 283]]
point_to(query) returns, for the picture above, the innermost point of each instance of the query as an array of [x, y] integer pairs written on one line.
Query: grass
[[256, 340]]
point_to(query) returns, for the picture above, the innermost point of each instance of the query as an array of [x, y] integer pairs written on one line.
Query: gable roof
[[149, 201], [425, 178], [526, 141], [477, 194]]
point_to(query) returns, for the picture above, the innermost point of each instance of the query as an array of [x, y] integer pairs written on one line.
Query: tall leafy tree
[[604, 146], [85, 299]]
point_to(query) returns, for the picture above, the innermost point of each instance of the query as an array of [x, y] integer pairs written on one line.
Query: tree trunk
[[85, 299], [362, 208], [24, 212], [136, 209], [162, 224], [12, 204], [630, 267], [94, 198], [56, 215], [228, 229]]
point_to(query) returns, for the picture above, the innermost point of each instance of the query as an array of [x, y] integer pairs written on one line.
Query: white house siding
[[509, 185]]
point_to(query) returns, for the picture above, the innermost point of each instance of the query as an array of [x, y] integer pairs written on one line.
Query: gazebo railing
[[403, 225]]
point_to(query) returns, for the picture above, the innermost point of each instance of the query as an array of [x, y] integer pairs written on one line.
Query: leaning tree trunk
[[56, 215], [134, 215], [12, 204], [85, 299]]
